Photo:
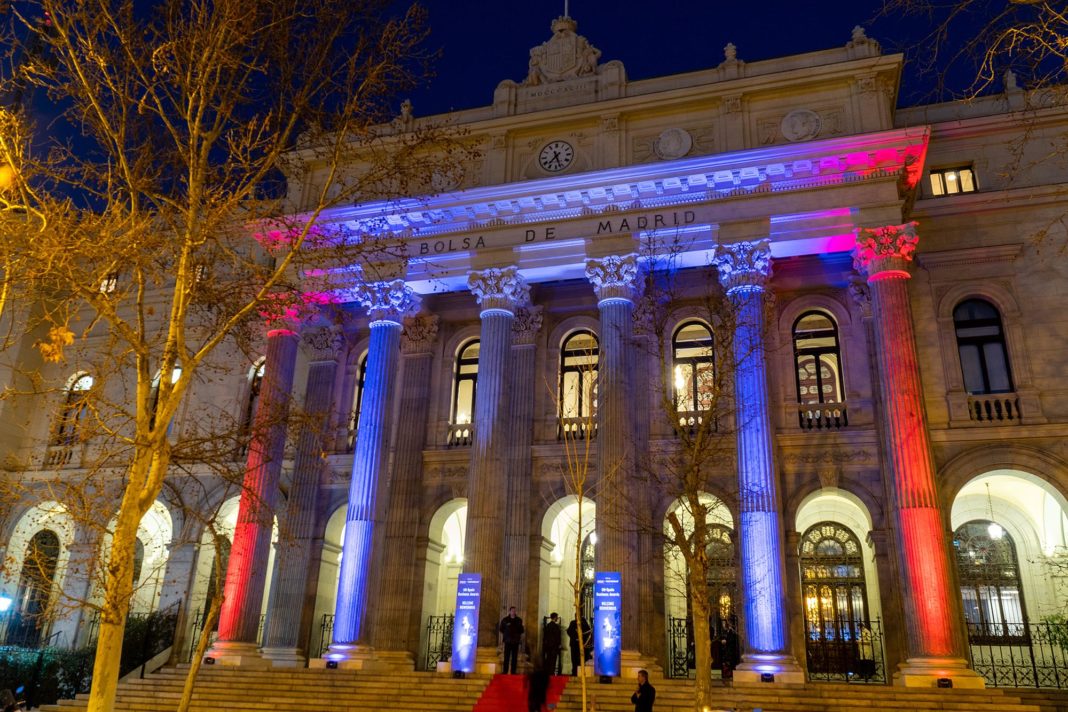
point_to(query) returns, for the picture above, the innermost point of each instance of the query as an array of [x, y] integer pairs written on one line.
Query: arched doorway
[[444, 562], [1010, 538], [326, 588], [722, 583], [33, 598], [568, 530]]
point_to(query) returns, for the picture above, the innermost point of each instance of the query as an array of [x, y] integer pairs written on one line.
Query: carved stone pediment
[[566, 55]]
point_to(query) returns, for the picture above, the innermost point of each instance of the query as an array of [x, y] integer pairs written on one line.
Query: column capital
[[616, 277], [419, 334], [743, 266], [323, 343], [499, 289], [885, 249], [387, 301], [527, 324]]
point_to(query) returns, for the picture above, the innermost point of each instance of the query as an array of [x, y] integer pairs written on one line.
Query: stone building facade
[[888, 500]]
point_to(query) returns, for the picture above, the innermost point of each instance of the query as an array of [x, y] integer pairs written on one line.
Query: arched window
[[138, 561], [73, 410], [578, 383], [722, 579], [357, 400], [990, 584], [252, 402], [464, 383], [693, 367], [818, 359], [981, 345], [834, 589], [35, 589], [153, 398]]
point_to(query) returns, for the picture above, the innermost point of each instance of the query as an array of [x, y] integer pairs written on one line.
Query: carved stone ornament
[[861, 294], [801, 125], [673, 143], [324, 344], [743, 265], [885, 248], [615, 277], [526, 326], [502, 288], [419, 334], [386, 301], [566, 55]]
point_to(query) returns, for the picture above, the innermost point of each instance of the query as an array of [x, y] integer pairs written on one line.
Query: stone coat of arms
[[566, 55]]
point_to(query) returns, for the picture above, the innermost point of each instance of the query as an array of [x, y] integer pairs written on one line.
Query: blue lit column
[[386, 303], [616, 281], [287, 616], [499, 293], [743, 270]]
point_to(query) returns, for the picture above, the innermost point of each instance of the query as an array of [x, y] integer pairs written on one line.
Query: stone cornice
[[970, 256]]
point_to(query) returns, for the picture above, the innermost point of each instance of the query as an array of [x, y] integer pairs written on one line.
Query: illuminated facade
[[898, 397]]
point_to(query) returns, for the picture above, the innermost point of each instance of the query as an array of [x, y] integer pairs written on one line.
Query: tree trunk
[[702, 638]]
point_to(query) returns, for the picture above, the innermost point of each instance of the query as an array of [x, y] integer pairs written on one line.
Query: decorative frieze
[[419, 334], [324, 343], [743, 265], [501, 289], [887, 248], [615, 277], [386, 301]]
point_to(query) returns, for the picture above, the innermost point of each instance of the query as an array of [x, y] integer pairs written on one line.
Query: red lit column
[[246, 571], [883, 255]]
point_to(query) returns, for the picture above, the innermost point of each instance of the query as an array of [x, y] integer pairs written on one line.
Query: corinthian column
[[743, 270], [499, 292], [287, 615], [386, 303], [615, 279], [883, 254], [246, 571], [399, 593]]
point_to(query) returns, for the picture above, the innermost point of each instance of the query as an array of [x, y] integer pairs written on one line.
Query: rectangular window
[[950, 181]]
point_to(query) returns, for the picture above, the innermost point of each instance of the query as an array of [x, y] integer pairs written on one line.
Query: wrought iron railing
[[822, 416], [846, 651], [19, 631], [438, 641], [145, 636], [682, 652], [1004, 408], [1038, 658], [326, 634]]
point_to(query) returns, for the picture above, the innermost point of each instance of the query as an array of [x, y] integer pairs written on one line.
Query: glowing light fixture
[[5, 602], [994, 530]]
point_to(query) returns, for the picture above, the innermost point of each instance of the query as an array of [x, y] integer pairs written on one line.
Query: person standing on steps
[[645, 695], [550, 644], [577, 648], [511, 629]]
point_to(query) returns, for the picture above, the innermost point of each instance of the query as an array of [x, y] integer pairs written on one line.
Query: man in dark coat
[[577, 657], [512, 635], [550, 644], [645, 695]]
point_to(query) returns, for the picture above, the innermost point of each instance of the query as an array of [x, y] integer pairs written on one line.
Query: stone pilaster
[[386, 303], [246, 570], [525, 330], [401, 578], [499, 292], [616, 280], [743, 270], [883, 254], [287, 616]]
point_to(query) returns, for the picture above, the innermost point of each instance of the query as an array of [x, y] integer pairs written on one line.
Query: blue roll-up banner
[[465, 625], [607, 622]]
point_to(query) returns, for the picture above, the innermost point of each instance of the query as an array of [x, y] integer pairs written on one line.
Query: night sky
[[483, 43]]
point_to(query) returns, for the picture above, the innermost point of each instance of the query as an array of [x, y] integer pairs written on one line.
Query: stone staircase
[[677, 696], [297, 690], [305, 690]]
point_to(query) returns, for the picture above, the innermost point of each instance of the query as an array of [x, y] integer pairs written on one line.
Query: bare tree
[[150, 225]]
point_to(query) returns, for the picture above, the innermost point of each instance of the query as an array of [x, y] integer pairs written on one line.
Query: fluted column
[[883, 254], [743, 270], [525, 330], [616, 280], [246, 570], [386, 304], [399, 592], [499, 292], [287, 614]]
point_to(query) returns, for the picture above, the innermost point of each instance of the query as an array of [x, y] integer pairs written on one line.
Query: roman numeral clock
[[556, 156]]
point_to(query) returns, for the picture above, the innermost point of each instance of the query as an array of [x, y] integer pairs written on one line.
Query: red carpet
[[508, 693]]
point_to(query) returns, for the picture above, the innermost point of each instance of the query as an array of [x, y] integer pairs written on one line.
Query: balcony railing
[[460, 435], [1003, 408], [822, 416], [577, 428], [690, 421]]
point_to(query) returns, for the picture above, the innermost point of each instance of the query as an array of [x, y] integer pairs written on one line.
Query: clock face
[[556, 156]]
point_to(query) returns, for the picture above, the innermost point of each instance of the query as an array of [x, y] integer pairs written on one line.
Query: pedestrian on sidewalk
[[645, 695]]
